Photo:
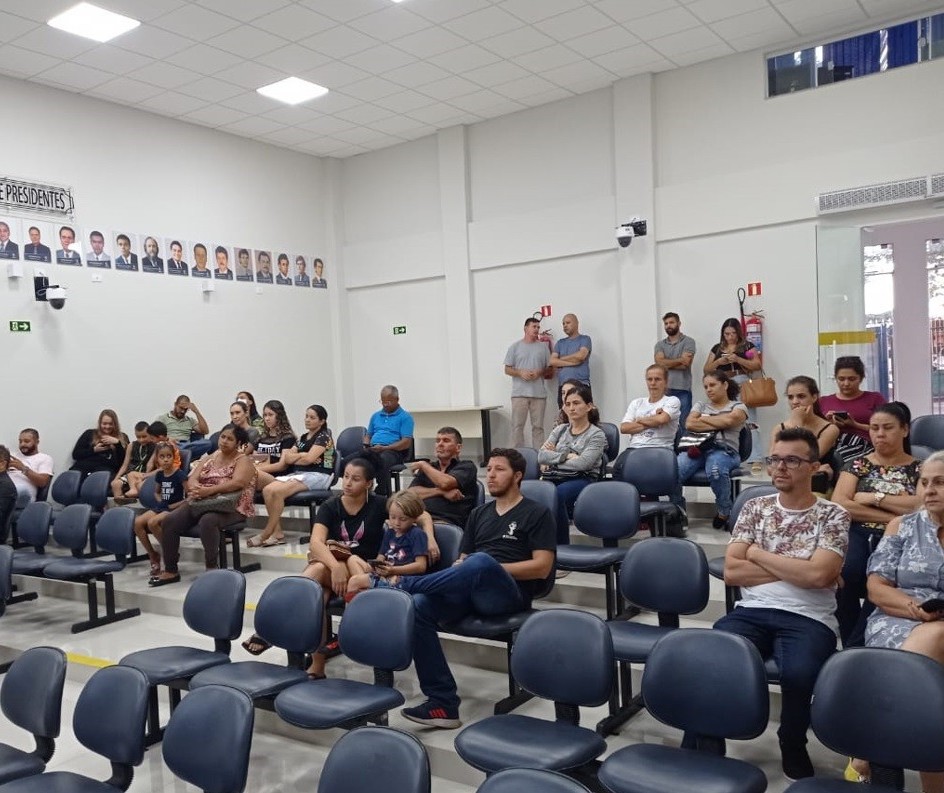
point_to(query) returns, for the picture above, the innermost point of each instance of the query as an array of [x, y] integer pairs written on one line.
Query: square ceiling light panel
[[292, 90], [92, 22]]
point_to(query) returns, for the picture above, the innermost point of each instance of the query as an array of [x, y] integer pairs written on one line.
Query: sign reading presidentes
[[44, 199]]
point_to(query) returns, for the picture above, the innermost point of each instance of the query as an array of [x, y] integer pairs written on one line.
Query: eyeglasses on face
[[792, 462]]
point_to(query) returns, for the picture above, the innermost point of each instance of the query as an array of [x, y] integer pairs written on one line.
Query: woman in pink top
[[227, 470], [851, 408]]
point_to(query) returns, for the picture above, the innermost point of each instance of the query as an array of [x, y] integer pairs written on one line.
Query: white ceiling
[[396, 72]]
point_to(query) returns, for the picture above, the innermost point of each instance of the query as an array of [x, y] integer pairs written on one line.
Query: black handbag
[[695, 444]]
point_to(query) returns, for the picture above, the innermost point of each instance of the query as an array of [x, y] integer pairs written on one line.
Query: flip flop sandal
[[255, 542], [272, 541], [258, 642]]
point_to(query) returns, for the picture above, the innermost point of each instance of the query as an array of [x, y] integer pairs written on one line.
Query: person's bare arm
[[126, 464], [844, 494], [820, 570], [37, 479], [201, 426], [725, 421], [738, 571], [902, 504], [537, 567], [441, 481]]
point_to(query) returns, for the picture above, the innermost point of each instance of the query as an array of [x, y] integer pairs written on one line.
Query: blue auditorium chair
[[666, 575], [885, 706], [109, 720], [116, 536], [369, 759], [95, 491], [288, 615], [712, 685], [612, 433], [214, 606], [377, 631], [928, 431], [65, 488], [30, 557], [532, 470], [654, 473], [608, 511], [530, 780], [562, 655], [31, 698], [209, 737]]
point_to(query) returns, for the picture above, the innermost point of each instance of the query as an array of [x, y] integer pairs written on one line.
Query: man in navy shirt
[[389, 436]]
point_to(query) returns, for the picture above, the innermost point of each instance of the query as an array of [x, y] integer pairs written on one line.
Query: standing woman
[[805, 413], [722, 414], [276, 438], [254, 418], [572, 456], [874, 489], [239, 417], [850, 408], [101, 448], [737, 358]]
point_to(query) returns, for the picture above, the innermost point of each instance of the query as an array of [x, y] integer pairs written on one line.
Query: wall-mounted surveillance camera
[[55, 295], [626, 231]]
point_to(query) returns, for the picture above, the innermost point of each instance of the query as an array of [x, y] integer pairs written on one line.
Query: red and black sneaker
[[433, 715]]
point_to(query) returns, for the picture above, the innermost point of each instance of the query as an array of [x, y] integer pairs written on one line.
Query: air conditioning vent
[[937, 184], [874, 195]]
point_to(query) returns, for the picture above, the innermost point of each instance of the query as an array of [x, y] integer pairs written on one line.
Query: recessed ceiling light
[[292, 90], [92, 22]]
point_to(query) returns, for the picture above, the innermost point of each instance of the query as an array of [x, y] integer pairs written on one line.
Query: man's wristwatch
[[879, 498]]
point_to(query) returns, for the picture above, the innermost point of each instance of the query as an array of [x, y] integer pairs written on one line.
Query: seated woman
[[873, 489], [904, 573], [250, 401], [136, 461], [226, 471], [170, 484], [572, 456], [850, 408], [723, 415], [101, 448], [310, 464], [8, 495], [803, 398], [403, 549], [239, 417], [276, 438], [565, 388]]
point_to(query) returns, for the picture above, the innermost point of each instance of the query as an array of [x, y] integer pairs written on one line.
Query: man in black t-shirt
[[448, 487], [507, 555]]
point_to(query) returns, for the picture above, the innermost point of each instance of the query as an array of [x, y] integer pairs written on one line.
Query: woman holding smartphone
[[906, 586], [850, 408]]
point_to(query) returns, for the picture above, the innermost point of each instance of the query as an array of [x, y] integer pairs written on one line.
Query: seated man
[[507, 555], [389, 436], [785, 554], [180, 426], [652, 420], [31, 469], [449, 486]]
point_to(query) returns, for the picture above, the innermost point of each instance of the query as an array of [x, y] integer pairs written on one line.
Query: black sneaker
[[433, 715], [720, 522], [795, 761]]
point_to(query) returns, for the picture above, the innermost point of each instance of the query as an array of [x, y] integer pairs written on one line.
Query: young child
[[136, 462], [170, 490], [403, 549], [158, 432]]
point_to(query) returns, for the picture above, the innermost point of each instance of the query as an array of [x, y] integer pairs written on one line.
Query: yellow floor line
[[88, 660], [250, 607]]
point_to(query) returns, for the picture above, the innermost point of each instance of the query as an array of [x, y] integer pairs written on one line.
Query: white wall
[[134, 341]]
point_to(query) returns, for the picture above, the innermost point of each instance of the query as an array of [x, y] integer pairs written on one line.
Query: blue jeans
[[567, 493], [799, 645], [718, 464], [685, 397], [852, 605], [479, 585]]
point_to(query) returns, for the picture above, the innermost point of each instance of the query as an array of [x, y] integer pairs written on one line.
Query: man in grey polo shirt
[[675, 352], [525, 363], [179, 424]]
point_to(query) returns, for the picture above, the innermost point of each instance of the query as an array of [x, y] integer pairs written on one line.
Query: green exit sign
[[398, 330], [18, 326]]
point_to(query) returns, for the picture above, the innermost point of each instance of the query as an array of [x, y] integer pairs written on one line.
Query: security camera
[[626, 231], [56, 297]]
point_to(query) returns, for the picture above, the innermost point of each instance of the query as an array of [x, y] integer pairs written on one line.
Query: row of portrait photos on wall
[[98, 248]]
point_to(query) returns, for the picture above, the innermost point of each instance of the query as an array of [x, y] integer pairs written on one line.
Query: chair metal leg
[[237, 562], [95, 620], [626, 705], [517, 696], [153, 733]]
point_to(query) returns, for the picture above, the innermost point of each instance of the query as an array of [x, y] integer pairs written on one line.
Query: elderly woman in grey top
[[572, 456]]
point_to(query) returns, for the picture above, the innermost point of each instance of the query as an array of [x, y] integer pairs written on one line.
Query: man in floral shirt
[[785, 554]]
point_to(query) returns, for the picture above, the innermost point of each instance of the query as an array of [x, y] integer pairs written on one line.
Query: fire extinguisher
[[545, 336], [752, 325]]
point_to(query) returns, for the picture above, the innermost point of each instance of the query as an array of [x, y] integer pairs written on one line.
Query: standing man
[[449, 486], [786, 554], [389, 436], [571, 356], [507, 555], [652, 420], [525, 363], [8, 248], [675, 352], [31, 469], [179, 424]]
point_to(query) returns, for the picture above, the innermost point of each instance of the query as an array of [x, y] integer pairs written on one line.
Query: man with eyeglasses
[[785, 554]]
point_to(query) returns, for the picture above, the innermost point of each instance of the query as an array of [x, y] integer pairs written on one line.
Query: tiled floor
[[287, 759]]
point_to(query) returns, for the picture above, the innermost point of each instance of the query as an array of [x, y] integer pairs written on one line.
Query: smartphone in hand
[[842, 415], [375, 563]]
